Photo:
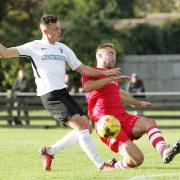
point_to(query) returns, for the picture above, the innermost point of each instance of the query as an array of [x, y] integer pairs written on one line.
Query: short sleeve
[[72, 60], [25, 49]]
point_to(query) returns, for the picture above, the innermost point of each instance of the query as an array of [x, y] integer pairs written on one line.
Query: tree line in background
[[84, 27]]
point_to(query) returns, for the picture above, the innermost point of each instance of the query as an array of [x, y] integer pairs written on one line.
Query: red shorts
[[127, 124]]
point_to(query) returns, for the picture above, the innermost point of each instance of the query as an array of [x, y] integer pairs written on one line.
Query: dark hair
[[48, 18]]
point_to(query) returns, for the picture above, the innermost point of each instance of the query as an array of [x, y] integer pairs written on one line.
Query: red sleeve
[[86, 78]]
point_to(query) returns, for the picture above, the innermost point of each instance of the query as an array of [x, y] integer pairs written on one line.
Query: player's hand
[[110, 72], [120, 78], [144, 104]]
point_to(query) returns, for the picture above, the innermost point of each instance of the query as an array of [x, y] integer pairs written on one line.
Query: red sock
[[156, 139]]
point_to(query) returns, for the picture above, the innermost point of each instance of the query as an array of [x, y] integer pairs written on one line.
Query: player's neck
[[47, 40], [99, 65]]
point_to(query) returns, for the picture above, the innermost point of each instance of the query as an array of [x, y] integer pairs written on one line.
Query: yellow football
[[108, 126]]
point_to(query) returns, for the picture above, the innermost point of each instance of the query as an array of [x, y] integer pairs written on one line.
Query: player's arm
[[8, 52], [92, 85], [90, 71], [126, 98]]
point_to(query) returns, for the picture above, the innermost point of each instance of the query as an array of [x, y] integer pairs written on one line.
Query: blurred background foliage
[[85, 24]]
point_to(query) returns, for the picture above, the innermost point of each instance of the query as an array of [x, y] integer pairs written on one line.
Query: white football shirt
[[48, 63]]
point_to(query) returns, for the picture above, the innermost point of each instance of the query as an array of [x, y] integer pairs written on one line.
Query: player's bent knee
[[139, 160], [153, 122], [136, 161], [87, 125], [132, 153], [147, 123], [77, 123], [150, 122]]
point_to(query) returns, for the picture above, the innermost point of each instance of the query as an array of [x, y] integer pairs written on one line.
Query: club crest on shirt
[[60, 49]]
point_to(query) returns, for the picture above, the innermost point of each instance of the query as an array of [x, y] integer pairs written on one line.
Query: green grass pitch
[[20, 159]]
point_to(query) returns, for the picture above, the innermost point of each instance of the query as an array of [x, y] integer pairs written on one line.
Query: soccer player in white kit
[[48, 59]]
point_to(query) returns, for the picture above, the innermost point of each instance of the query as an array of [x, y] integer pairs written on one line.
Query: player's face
[[109, 57], [53, 32]]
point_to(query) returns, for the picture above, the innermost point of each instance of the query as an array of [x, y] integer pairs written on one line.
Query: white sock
[[156, 138], [121, 164], [70, 139], [89, 147]]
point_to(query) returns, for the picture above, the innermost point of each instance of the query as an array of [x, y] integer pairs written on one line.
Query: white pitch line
[[150, 176]]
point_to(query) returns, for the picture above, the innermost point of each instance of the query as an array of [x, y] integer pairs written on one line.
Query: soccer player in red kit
[[104, 96]]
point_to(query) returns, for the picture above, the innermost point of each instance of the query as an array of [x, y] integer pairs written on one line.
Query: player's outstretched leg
[[170, 152], [68, 140], [47, 159]]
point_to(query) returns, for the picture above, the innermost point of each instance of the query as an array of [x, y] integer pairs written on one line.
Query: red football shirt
[[104, 101]]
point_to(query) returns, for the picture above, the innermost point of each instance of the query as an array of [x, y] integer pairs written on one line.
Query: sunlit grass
[[20, 160]]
